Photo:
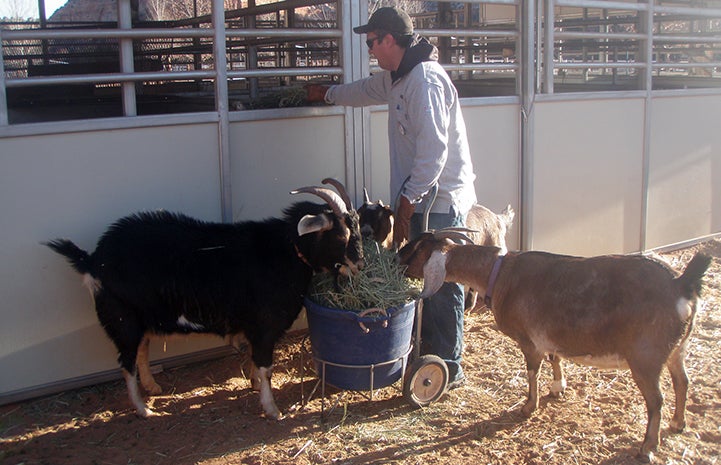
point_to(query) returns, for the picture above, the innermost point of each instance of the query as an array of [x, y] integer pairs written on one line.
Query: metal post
[[127, 65], [43, 25], [251, 61], [528, 73], [647, 21], [354, 58], [548, 46], [3, 90], [221, 106]]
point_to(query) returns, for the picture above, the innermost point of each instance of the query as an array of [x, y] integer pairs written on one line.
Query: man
[[428, 147]]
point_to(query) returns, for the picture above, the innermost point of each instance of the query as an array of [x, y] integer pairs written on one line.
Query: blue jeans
[[442, 319]]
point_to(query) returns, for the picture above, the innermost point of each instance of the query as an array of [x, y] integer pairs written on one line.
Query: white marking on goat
[[605, 362], [543, 343], [683, 307], [558, 386], [434, 273], [132, 384], [182, 321], [266, 395], [91, 283]]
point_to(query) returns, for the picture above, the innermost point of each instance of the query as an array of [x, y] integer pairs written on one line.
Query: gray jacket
[[426, 130]]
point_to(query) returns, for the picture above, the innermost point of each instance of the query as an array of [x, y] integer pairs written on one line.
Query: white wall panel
[[587, 176], [493, 135], [271, 158], [74, 185], [495, 158], [684, 200]]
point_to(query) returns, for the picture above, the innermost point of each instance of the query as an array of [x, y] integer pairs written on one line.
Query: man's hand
[[402, 221], [315, 93]]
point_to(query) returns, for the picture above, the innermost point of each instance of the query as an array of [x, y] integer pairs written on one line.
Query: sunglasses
[[371, 42]]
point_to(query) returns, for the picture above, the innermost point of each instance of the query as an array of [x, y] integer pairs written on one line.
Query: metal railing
[[643, 46]]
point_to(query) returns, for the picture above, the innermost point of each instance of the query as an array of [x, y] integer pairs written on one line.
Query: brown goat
[[488, 228], [610, 311]]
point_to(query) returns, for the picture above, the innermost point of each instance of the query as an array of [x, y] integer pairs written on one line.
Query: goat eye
[[338, 266]]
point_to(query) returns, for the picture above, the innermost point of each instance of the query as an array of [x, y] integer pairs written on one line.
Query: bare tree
[[409, 6], [21, 9]]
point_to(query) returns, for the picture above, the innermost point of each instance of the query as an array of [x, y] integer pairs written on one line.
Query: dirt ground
[[210, 415]]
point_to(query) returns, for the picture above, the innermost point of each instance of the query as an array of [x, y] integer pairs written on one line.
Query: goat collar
[[492, 280]]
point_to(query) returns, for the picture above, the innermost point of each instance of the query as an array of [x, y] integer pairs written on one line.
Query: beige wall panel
[[495, 159], [587, 175], [493, 135], [380, 165], [271, 158], [684, 200], [74, 185]]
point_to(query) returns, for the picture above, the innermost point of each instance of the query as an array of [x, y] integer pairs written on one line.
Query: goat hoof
[[146, 413], [527, 410], [676, 427], [558, 388], [275, 415], [645, 457]]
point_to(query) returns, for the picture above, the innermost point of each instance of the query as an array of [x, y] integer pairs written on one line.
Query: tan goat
[[611, 311]]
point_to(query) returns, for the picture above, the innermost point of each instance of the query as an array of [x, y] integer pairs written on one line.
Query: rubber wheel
[[426, 380]]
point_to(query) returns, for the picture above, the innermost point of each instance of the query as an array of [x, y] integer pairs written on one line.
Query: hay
[[381, 284], [283, 98]]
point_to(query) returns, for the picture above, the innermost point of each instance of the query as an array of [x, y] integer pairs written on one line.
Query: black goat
[[163, 273]]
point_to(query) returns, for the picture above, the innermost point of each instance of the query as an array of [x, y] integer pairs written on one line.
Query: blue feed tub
[[360, 343]]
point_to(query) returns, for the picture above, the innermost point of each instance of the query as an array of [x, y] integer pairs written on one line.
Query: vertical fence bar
[[548, 44], [221, 106], [4, 121], [647, 21], [528, 86], [125, 22], [540, 30], [359, 162], [251, 61]]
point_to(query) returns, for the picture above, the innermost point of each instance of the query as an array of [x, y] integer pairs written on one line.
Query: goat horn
[[331, 198], [366, 198], [341, 190], [455, 233]]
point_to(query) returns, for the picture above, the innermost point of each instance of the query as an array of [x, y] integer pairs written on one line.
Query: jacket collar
[[419, 51]]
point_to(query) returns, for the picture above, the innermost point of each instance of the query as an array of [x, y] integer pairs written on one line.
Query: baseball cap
[[389, 19]]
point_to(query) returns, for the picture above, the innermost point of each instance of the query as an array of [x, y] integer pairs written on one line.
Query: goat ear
[[434, 273], [509, 214], [313, 223]]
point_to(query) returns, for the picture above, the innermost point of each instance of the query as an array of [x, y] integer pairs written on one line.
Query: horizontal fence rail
[[569, 46]]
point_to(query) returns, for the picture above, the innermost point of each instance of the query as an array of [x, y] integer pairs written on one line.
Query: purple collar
[[492, 280]]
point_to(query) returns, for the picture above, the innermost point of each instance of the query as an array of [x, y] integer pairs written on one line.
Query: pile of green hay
[[380, 284], [282, 98]]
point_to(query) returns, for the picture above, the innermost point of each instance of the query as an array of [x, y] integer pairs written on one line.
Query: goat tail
[[690, 281], [78, 258]]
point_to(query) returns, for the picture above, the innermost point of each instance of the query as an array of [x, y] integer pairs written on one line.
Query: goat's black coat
[[158, 271]]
